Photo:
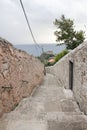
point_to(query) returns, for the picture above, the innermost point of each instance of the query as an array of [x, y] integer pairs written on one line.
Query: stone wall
[[61, 71], [19, 74]]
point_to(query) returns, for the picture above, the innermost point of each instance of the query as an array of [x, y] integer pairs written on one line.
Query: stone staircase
[[50, 107]]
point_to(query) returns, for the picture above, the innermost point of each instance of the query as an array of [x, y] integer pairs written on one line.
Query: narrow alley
[[50, 107]]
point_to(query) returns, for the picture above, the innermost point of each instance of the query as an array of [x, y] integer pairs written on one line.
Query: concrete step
[[27, 125], [62, 121], [50, 121], [50, 107], [49, 80]]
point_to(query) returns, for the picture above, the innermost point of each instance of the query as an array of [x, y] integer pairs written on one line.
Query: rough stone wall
[[19, 74], [61, 71]]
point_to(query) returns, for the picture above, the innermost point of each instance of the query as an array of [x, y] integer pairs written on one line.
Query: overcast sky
[[41, 14]]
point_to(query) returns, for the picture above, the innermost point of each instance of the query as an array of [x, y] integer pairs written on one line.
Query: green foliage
[[49, 64], [60, 55], [66, 33], [45, 56]]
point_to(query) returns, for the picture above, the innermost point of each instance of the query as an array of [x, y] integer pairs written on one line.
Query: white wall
[[61, 71]]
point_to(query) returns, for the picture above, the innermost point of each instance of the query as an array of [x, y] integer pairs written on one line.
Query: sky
[[41, 15]]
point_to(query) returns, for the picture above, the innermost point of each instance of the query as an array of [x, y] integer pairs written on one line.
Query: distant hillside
[[36, 51]]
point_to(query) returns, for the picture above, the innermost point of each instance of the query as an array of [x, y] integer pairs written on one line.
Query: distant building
[[49, 52], [51, 60]]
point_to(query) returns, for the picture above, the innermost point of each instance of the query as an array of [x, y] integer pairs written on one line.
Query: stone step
[[50, 80], [62, 121], [49, 92], [50, 121], [50, 107], [26, 125]]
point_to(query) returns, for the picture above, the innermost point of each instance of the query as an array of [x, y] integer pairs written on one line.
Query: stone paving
[[50, 107]]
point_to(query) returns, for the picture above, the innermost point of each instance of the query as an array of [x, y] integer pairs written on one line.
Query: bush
[[49, 64], [60, 55]]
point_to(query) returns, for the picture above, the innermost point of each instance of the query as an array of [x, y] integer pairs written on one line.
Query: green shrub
[[60, 55], [49, 64]]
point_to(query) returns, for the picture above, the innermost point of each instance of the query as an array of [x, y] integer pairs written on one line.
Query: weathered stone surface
[[50, 107], [27, 125], [19, 74], [61, 72], [64, 122]]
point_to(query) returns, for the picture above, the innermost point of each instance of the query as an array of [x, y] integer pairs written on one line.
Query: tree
[[67, 34], [60, 55]]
